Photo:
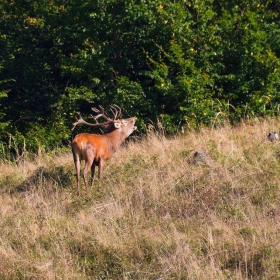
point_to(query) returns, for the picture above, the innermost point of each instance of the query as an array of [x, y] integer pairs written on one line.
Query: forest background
[[185, 63]]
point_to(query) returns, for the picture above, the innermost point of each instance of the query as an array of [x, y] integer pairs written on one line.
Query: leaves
[[150, 57]]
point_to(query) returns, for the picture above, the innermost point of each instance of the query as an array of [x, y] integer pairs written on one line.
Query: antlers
[[116, 110]]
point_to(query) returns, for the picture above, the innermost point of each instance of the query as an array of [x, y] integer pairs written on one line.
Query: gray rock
[[272, 136]]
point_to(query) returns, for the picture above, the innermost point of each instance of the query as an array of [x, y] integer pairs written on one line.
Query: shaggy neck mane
[[115, 138]]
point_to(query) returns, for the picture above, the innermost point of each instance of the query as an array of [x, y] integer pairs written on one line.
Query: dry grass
[[159, 216]]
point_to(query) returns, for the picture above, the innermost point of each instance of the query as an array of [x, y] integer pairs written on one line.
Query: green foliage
[[185, 63]]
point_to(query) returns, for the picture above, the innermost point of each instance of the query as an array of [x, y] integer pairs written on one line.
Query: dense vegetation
[[159, 215], [183, 62]]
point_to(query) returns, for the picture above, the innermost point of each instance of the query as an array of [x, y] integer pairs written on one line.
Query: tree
[[182, 62]]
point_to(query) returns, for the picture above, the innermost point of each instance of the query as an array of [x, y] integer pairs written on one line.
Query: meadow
[[161, 214]]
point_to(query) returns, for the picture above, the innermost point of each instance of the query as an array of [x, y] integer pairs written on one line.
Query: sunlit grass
[[160, 215]]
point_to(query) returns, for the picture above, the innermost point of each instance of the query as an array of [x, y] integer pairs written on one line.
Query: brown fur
[[96, 149]]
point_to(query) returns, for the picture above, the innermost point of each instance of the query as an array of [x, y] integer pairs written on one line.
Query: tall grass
[[160, 214]]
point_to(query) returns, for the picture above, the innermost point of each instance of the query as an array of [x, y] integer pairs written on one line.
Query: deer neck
[[115, 138]]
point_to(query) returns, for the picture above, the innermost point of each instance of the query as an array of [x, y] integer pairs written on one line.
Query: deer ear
[[117, 125]]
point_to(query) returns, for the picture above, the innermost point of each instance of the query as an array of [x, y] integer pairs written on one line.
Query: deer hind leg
[[92, 174], [77, 162], [78, 168], [89, 163]]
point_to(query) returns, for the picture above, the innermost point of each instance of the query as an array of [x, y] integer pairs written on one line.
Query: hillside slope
[[161, 213]]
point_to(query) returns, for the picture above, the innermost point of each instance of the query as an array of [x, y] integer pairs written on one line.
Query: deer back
[[103, 146], [98, 143]]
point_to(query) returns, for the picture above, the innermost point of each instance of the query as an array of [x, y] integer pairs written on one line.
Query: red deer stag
[[96, 149]]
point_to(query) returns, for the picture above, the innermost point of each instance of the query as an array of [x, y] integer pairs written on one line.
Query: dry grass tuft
[[160, 214]]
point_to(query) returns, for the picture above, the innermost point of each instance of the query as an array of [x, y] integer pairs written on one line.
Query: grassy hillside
[[160, 215]]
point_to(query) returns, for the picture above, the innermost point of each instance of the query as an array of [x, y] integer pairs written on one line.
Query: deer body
[[96, 149]]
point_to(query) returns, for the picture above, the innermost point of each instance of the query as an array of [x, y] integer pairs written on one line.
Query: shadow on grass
[[43, 178]]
